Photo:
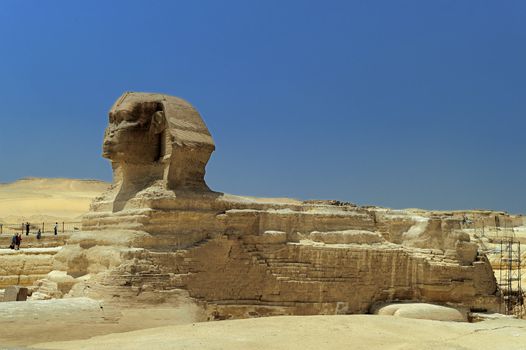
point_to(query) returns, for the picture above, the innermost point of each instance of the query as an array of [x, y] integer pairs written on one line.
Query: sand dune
[[315, 332], [55, 199]]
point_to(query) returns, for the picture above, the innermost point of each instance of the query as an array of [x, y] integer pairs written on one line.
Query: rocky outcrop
[[421, 311], [15, 293], [26, 266], [32, 262], [258, 258]]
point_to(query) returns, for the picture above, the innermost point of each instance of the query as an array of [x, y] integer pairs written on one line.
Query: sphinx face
[[128, 139]]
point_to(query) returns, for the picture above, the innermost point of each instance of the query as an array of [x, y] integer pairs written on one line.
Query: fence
[[44, 227]]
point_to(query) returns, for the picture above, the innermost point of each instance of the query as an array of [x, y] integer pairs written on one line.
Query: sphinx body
[[161, 230]]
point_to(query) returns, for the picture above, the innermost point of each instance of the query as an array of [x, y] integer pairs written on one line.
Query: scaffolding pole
[[510, 275]]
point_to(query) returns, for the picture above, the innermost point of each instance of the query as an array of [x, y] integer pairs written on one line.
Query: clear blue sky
[[392, 103]]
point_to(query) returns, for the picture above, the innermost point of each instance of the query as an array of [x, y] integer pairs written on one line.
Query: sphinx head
[[154, 137]]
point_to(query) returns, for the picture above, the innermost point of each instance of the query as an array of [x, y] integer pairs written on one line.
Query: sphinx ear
[[158, 123]]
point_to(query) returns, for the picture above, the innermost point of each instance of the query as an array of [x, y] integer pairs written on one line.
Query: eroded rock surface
[[422, 311], [154, 137], [25, 266]]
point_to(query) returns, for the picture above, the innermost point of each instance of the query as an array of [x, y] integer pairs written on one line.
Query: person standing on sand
[[18, 241], [56, 228], [39, 233], [27, 228], [13, 241]]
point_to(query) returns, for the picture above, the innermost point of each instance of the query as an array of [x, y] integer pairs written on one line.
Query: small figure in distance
[[13, 241], [18, 241], [27, 228], [56, 228], [39, 234]]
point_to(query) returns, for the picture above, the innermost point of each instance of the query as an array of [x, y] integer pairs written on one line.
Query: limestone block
[[268, 237], [345, 237], [466, 252], [422, 311], [25, 266], [62, 279], [15, 293], [452, 239], [78, 261], [45, 289]]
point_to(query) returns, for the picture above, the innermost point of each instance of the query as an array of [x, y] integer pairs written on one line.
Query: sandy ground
[[83, 323], [315, 332], [30, 322], [38, 199]]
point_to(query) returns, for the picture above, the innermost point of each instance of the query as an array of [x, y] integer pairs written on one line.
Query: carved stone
[[15, 293], [155, 138], [161, 229]]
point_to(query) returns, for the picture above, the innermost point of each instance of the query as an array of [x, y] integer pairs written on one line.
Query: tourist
[[13, 241], [27, 228], [56, 228], [18, 241], [39, 234]]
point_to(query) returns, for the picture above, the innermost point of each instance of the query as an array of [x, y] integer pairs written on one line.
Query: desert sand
[[41, 199], [83, 323], [37, 321], [315, 332]]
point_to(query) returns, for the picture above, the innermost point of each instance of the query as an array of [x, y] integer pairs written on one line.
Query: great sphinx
[[243, 256]]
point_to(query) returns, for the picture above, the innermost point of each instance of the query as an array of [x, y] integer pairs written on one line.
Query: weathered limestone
[[24, 267], [422, 311], [154, 137], [160, 230], [15, 293]]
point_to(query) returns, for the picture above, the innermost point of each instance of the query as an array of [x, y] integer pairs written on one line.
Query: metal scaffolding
[[510, 274]]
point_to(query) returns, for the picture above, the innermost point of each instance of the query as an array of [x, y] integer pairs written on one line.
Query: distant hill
[[47, 199]]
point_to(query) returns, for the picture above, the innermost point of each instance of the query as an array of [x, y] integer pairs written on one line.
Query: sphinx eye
[[129, 117], [120, 116]]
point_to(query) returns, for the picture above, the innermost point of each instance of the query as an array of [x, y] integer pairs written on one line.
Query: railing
[[44, 227]]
